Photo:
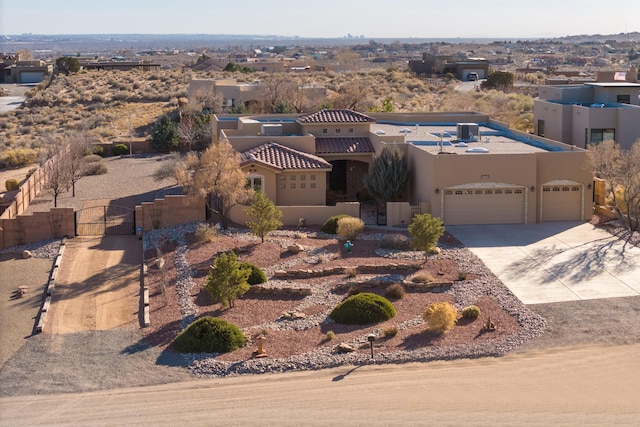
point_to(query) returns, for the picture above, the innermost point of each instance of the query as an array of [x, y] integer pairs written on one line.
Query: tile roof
[[335, 116], [357, 144], [278, 156]]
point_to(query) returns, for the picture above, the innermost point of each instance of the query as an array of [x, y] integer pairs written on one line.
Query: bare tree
[[620, 168], [78, 147], [215, 176], [279, 89], [353, 96], [195, 129], [55, 163], [205, 100]]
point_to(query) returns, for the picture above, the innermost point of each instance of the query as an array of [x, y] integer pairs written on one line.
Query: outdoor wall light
[[533, 189], [371, 338], [589, 186], [437, 191]]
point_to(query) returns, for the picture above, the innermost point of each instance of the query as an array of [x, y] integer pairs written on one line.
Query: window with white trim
[[254, 182]]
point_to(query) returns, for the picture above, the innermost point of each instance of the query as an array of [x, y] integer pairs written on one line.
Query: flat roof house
[[464, 168], [591, 112]]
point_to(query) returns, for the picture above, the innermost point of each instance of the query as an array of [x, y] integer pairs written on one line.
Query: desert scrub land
[[109, 104], [291, 310]]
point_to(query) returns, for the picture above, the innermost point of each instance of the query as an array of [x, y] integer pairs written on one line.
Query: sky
[[326, 18]]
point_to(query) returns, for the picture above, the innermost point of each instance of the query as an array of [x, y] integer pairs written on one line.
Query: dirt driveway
[[98, 285]]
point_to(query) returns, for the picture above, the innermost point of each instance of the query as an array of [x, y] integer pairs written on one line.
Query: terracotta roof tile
[[358, 144], [335, 116], [280, 157]]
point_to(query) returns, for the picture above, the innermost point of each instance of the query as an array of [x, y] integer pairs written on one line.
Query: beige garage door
[[484, 206], [561, 202]]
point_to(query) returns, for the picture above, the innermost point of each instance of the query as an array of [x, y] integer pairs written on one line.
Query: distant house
[[443, 64], [464, 168], [13, 70], [111, 65], [607, 108]]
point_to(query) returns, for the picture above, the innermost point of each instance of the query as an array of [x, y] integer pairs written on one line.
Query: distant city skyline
[[328, 19]]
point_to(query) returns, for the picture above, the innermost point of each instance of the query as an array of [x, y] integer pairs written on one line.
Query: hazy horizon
[[405, 19]]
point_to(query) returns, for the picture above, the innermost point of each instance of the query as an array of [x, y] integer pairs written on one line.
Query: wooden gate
[[101, 220]]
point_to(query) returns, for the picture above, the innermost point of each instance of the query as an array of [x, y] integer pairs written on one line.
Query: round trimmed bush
[[209, 335], [331, 225], [440, 316], [471, 312], [257, 276], [11, 184], [119, 150], [395, 291], [363, 309]]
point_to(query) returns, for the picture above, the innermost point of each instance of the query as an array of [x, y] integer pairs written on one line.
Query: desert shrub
[[362, 309], [11, 184], [97, 149], [425, 231], [440, 316], [350, 271], [349, 228], [256, 276], [119, 149], [209, 335], [18, 157], [331, 225], [95, 168], [423, 277], [395, 291], [462, 275], [91, 158], [395, 241], [205, 233], [471, 312], [30, 172], [330, 335], [390, 332]]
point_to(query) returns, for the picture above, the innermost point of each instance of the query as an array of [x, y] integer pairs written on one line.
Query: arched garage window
[[255, 182]]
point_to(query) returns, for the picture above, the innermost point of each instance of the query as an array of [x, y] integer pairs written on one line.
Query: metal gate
[[101, 220]]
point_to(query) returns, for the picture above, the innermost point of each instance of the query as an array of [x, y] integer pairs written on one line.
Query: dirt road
[[97, 287], [570, 386]]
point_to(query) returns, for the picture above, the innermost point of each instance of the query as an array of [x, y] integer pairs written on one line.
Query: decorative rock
[[293, 315], [344, 348], [26, 254], [295, 248]]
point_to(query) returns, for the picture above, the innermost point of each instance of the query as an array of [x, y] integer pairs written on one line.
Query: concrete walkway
[[555, 261]]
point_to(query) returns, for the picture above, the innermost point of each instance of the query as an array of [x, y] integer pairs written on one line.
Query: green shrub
[[209, 335], [462, 275], [395, 291], [330, 335], [119, 150], [331, 225], [96, 168], [349, 228], [11, 184], [440, 316], [97, 149], [425, 231], [390, 332], [256, 276], [471, 312], [362, 309]]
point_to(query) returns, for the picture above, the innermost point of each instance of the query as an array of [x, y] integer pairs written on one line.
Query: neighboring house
[[591, 112], [464, 168], [142, 65], [443, 64], [12, 70]]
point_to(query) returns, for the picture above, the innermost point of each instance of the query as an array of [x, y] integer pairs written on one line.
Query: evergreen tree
[[388, 175], [226, 280], [266, 216]]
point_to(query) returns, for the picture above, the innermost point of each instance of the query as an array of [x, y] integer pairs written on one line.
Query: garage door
[[31, 77], [484, 206], [561, 203]]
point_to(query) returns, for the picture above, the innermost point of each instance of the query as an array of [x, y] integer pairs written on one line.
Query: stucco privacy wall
[[56, 223], [313, 215], [170, 211]]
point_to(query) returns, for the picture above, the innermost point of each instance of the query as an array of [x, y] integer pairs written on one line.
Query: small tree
[[165, 134], [67, 65], [425, 231], [500, 80], [78, 147], [388, 175], [266, 216], [57, 177], [226, 280]]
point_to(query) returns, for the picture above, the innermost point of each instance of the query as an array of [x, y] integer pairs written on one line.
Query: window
[[254, 182], [488, 192], [325, 131], [546, 189], [313, 185], [283, 185], [293, 186], [479, 192], [292, 177], [337, 130], [351, 130], [283, 177], [303, 185], [623, 99], [518, 191], [508, 191], [556, 188], [303, 177], [575, 189], [498, 191], [540, 127], [599, 135], [565, 188], [312, 177], [459, 192]]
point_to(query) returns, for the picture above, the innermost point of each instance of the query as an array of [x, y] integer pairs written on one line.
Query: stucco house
[[464, 167], [591, 112]]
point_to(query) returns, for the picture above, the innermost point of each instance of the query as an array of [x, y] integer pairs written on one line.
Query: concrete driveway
[[555, 261]]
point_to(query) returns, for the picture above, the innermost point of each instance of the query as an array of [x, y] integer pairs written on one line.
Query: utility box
[[271, 129], [467, 131]]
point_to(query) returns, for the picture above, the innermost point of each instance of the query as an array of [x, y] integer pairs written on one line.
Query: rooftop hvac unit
[[467, 131], [271, 129]]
